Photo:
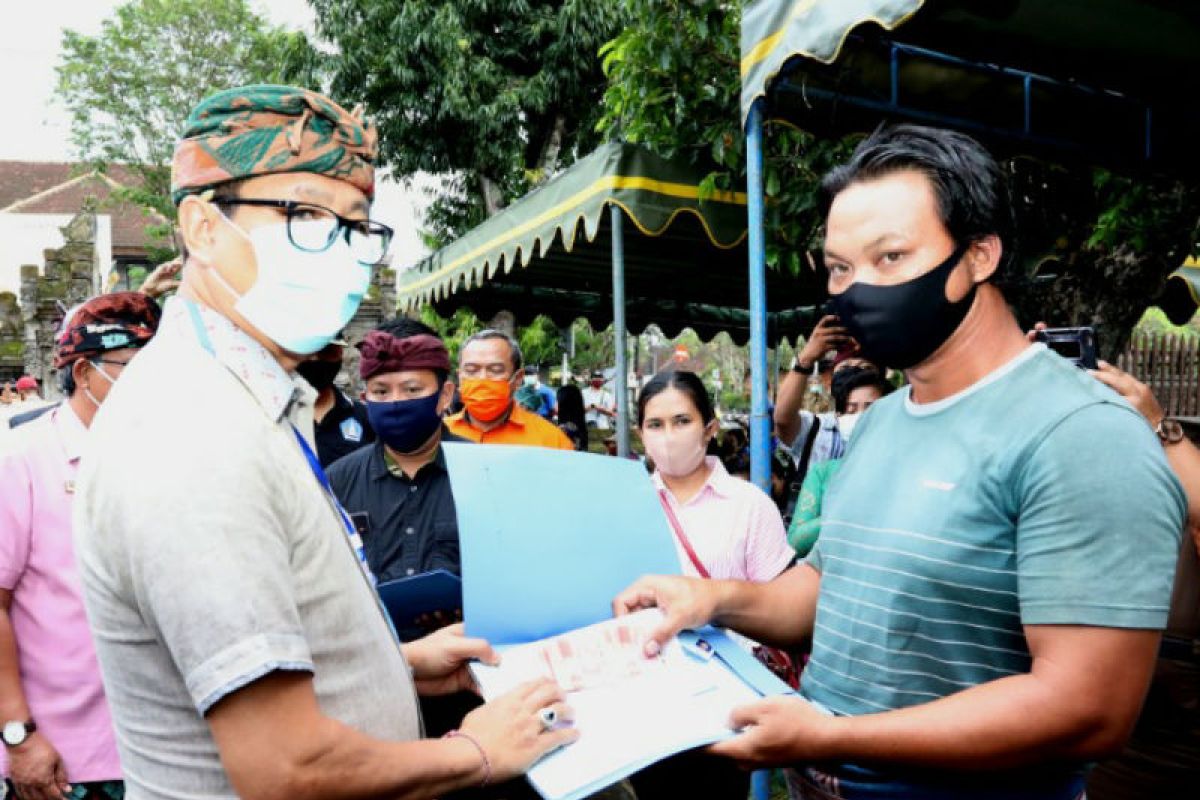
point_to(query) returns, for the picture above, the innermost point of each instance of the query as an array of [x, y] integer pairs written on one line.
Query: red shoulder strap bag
[[781, 664]]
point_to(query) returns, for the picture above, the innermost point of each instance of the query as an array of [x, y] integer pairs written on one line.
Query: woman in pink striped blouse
[[724, 528], [732, 529]]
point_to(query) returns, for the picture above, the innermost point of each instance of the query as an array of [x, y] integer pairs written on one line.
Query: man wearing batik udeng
[[243, 648]]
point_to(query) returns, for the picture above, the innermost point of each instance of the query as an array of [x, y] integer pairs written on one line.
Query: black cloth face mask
[[319, 374], [900, 326]]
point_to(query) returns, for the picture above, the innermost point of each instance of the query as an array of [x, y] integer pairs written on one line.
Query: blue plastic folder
[[408, 599], [549, 537]]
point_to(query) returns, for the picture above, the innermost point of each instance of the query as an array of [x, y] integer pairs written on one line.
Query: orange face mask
[[484, 399]]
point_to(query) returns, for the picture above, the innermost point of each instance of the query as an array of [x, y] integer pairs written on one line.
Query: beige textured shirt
[[210, 556]]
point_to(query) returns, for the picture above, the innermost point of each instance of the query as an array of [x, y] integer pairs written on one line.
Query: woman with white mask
[[723, 527], [855, 389], [732, 529]]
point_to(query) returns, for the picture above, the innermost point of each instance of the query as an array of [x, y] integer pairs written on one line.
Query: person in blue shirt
[[996, 555], [547, 405]]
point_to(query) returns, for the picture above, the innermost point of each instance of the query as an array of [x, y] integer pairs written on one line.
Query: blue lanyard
[[313, 463], [319, 473]]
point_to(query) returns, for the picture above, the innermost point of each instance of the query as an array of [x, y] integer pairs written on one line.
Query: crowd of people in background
[[963, 565]]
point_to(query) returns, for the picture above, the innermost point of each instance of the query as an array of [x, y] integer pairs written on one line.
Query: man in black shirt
[[397, 491], [340, 424]]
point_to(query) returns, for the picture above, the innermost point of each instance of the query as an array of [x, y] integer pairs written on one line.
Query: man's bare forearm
[[13, 705], [779, 612], [788, 400], [276, 743], [352, 765], [1071, 707]]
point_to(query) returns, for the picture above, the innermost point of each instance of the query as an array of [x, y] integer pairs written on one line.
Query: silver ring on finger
[[548, 717]]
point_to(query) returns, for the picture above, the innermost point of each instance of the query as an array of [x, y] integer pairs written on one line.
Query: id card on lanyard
[[356, 542]]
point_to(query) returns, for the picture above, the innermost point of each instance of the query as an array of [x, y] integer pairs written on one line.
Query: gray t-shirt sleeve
[[209, 569], [1100, 516]]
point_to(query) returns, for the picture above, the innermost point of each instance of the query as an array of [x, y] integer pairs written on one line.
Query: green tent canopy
[[551, 253], [1112, 82]]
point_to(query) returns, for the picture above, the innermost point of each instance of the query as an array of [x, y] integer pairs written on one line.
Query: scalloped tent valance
[[685, 258], [1111, 82]]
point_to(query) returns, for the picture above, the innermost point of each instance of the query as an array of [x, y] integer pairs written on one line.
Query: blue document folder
[[410, 599], [549, 537]]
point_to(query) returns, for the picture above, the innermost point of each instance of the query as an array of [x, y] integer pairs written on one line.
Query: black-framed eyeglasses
[[314, 229]]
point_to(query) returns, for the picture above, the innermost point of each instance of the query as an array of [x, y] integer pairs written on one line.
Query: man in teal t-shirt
[[997, 550]]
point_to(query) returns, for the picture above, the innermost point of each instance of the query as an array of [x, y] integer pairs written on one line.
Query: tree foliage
[[1096, 246], [495, 94], [540, 341], [129, 88], [673, 86]]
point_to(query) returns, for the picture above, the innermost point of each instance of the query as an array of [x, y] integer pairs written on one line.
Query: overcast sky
[[39, 129]]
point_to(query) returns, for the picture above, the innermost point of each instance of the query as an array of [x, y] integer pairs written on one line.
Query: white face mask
[[300, 300], [846, 423], [111, 381], [531, 380], [675, 455]]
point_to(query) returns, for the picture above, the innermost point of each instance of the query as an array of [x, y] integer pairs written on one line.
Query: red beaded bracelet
[[487, 762]]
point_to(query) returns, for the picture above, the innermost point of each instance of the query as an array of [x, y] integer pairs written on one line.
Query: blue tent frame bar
[[760, 424], [1022, 130], [621, 380]]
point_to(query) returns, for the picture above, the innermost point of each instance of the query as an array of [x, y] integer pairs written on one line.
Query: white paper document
[[631, 711]]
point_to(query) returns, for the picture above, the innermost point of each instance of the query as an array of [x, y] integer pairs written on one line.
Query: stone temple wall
[[380, 305], [69, 277]]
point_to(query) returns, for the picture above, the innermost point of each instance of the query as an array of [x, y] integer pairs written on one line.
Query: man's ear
[[80, 368], [984, 256], [447, 396], [196, 222]]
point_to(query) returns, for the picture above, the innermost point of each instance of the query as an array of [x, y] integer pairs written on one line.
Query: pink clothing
[[734, 528], [57, 659]]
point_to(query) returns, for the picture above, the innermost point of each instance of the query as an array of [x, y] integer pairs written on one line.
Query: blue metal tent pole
[[760, 428], [618, 295], [760, 431]]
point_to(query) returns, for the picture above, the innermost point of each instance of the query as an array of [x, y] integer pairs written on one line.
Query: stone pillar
[[505, 322], [379, 306], [69, 278]]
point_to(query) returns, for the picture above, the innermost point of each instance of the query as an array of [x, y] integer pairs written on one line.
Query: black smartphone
[[1077, 345]]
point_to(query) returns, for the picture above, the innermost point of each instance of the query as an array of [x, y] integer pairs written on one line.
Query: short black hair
[[66, 380], [229, 190], [970, 187], [570, 405], [687, 382], [847, 380], [491, 333], [404, 328]]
